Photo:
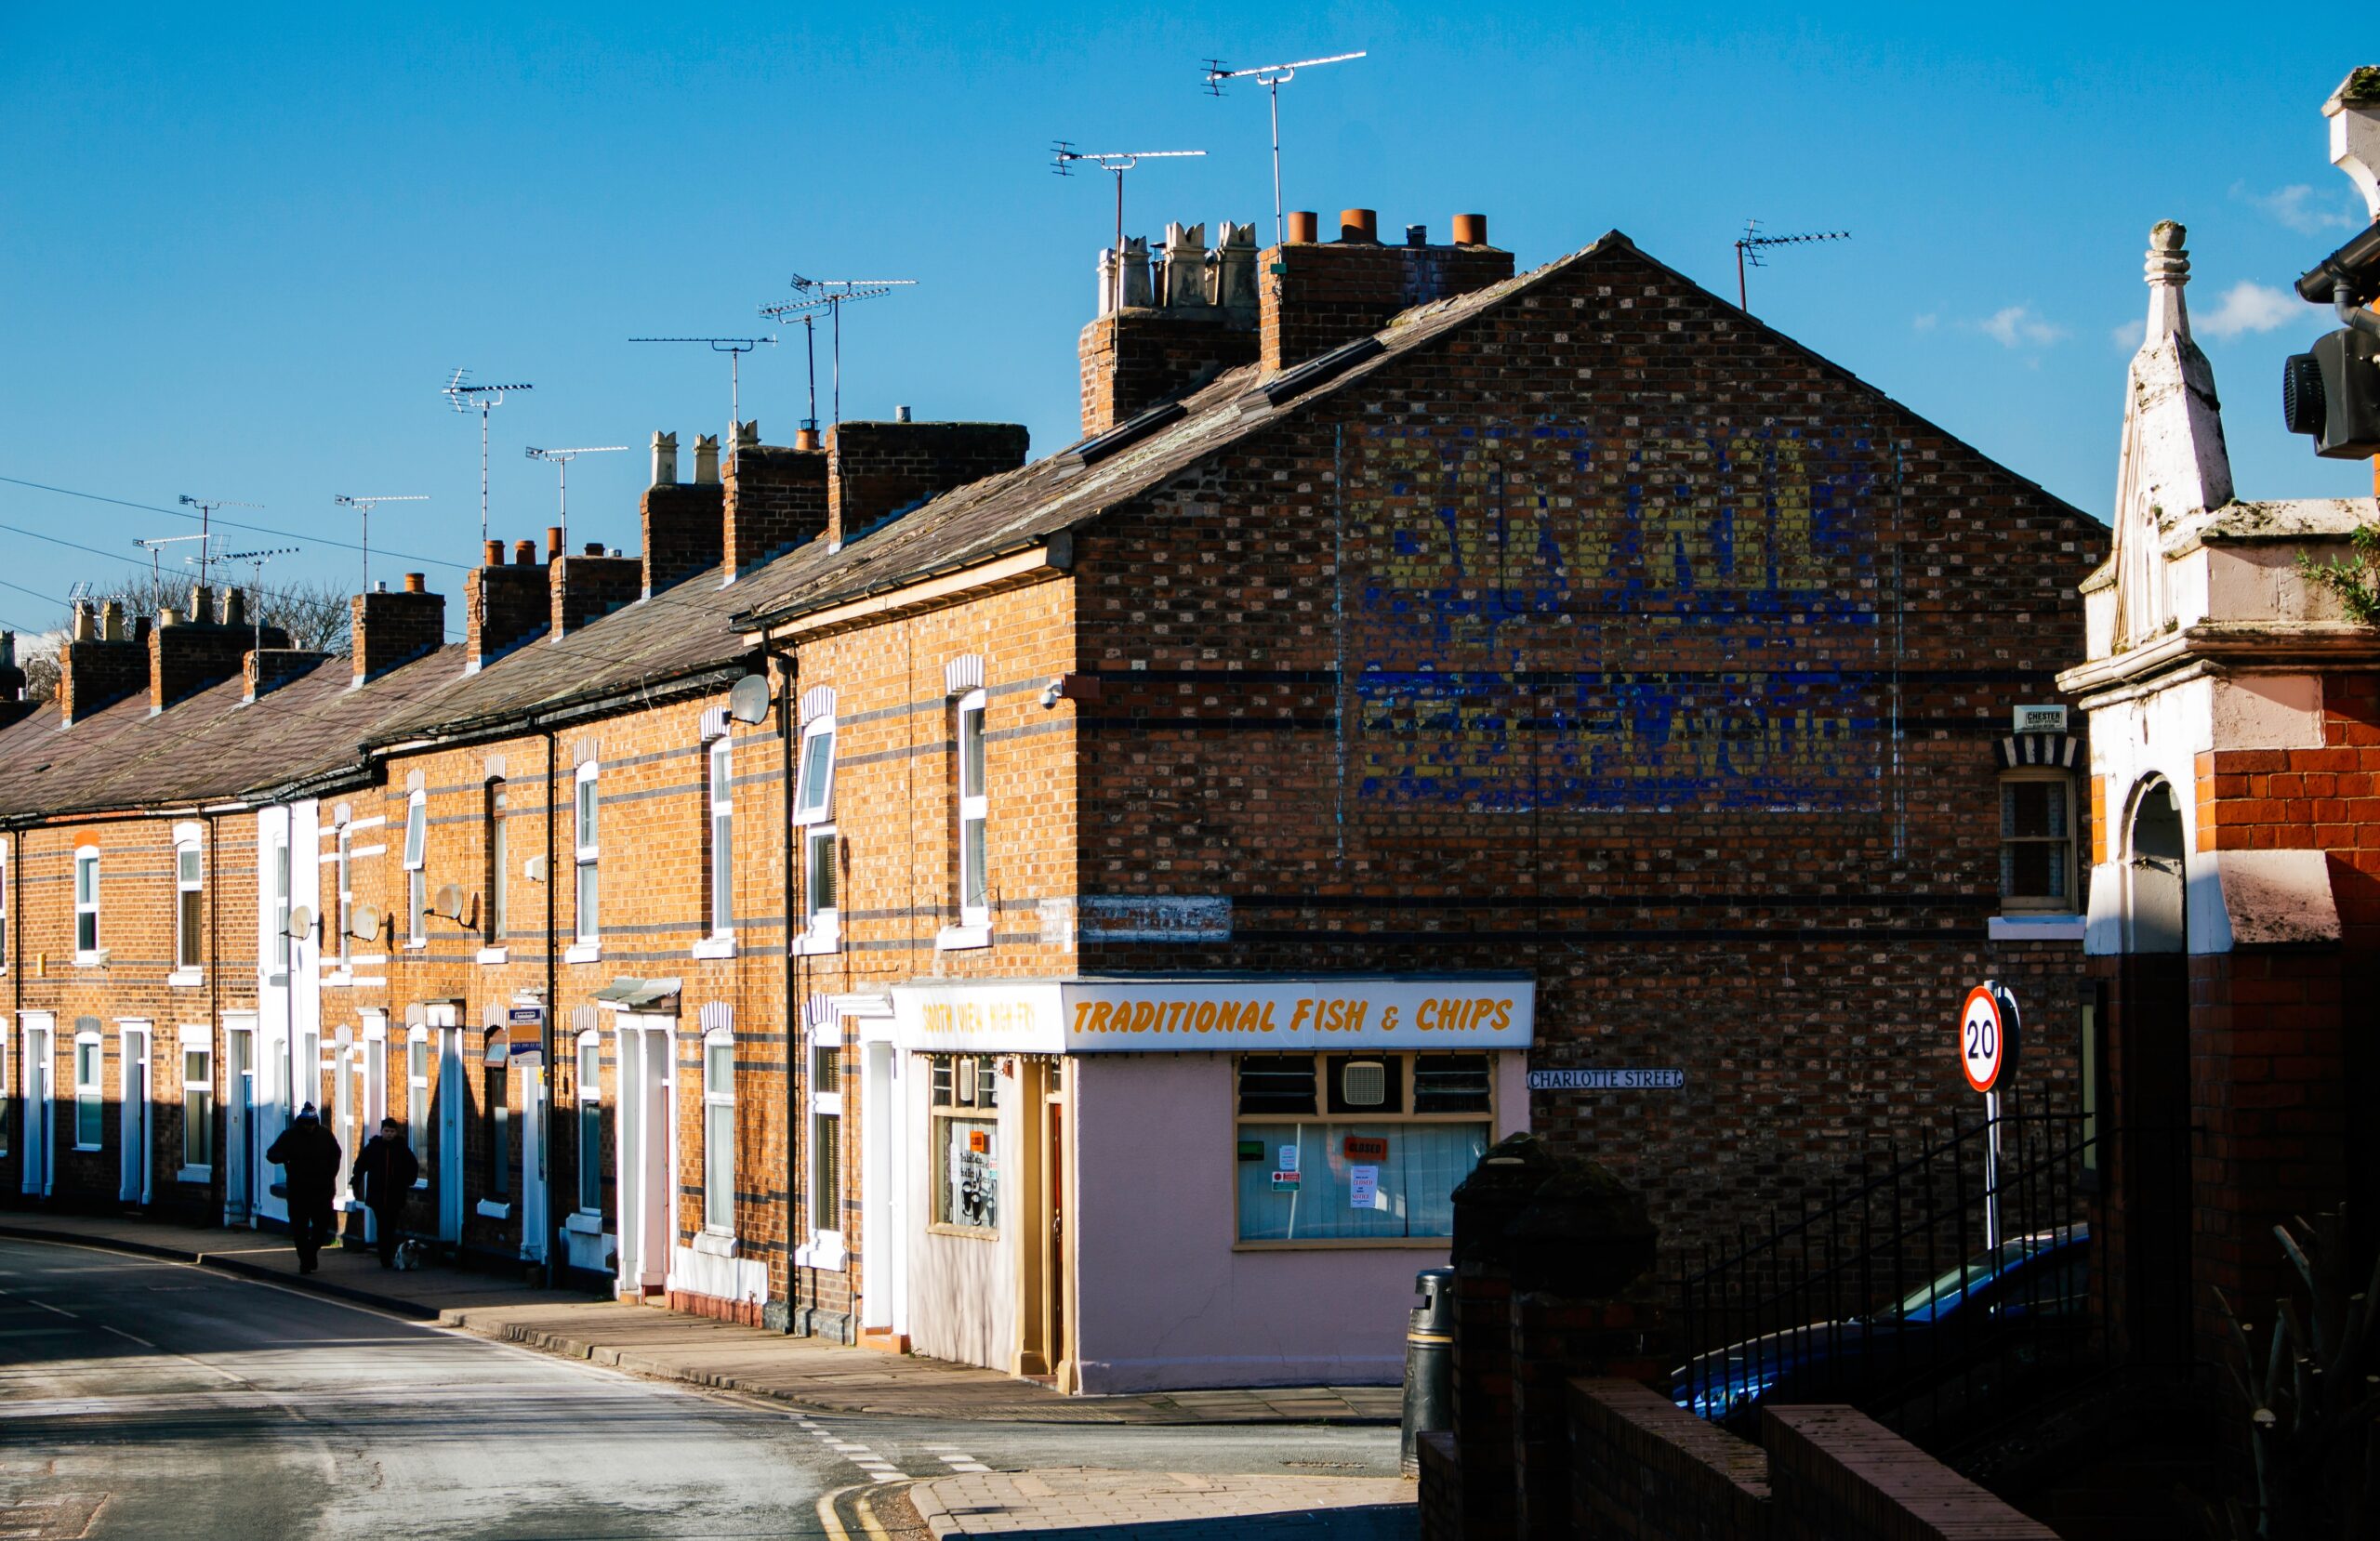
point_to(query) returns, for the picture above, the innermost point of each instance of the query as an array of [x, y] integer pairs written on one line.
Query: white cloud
[[2248, 307], [2018, 326], [2127, 337], [1925, 323], [2299, 207]]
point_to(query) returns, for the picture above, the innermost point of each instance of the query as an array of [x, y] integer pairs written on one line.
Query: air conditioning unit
[[1363, 1083]]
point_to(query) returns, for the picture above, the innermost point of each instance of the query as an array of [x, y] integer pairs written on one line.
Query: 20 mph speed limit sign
[[1988, 1029]]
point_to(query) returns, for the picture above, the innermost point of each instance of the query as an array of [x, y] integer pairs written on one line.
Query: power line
[[228, 523]]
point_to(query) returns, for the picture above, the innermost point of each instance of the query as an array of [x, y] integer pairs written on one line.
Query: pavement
[[1090, 1504], [807, 1372]]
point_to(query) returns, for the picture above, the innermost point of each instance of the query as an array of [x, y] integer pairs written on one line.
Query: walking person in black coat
[[308, 1156], [385, 1170]]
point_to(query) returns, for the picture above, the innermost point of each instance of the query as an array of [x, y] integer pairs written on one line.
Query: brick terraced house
[[1084, 916]]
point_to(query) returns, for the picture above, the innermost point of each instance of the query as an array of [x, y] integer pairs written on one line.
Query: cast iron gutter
[[564, 710]]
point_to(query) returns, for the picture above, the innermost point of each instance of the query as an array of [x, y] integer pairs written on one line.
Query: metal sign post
[[1988, 1029]]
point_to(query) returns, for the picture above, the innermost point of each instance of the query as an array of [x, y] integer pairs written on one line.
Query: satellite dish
[[364, 923], [301, 923], [749, 702], [448, 905]]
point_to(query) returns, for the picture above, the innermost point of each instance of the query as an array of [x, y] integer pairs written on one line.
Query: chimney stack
[[95, 669], [504, 606], [1199, 320], [775, 499], [13, 704], [875, 470], [553, 541], [395, 629], [588, 587], [266, 671], [195, 652], [1324, 296]]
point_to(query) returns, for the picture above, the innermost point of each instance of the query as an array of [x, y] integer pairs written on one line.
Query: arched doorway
[[2152, 1061]]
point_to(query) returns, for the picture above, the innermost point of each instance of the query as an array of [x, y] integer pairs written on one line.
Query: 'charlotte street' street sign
[[1607, 1080]]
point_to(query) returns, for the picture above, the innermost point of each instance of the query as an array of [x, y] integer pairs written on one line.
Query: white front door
[[132, 1058], [647, 1153], [883, 1297], [40, 1079]]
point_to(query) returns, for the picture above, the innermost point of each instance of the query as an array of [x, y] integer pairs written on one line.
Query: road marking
[[121, 1333], [47, 1306]]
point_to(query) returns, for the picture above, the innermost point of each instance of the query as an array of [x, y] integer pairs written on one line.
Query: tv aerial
[[735, 348], [155, 548], [206, 507], [561, 460], [829, 296], [256, 561], [1115, 161], [1272, 77], [466, 396], [1749, 245], [363, 506]]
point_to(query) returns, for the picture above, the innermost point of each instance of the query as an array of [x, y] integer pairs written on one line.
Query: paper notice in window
[[1363, 1189], [1289, 1158]]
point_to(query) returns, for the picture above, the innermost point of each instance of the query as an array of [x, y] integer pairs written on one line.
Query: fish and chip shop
[[1140, 1183]]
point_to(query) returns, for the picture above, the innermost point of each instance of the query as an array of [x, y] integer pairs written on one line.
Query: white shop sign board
[[1183, 1016]]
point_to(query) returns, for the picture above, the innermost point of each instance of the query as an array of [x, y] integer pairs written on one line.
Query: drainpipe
[[555, 1251], [2343, 305], [795, 1125], [216, 1036]]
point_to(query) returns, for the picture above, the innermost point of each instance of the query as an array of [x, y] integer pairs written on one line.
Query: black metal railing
[[1933, 1294]]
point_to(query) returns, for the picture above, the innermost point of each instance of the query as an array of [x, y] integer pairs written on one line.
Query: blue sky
[[242, 253]]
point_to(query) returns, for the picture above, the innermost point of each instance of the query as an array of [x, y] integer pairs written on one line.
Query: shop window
[[589, 848], [417, 874], [198, 1106], [721, 836], [1396, 1133], [498, 877], [87, 904], [589, 1092], [2037, 840], [965, 1132], [190, 905], [90, 1105], [495, 1114], [418, 1100], [719, 1132]]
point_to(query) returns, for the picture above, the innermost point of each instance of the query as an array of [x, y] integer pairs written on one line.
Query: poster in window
[[973, 1175]]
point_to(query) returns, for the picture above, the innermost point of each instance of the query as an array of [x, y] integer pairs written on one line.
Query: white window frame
[[966, 1106], [197, 1040], [416, 857], [588, 1091], [419, 1051], [343, 891], [971, 829], [2038, 909], [586, 881], [6, 850], [826, 1249], [815, 806], [719, 1166], [93, 1090], [720, 762], [813, 816], [494, 805], [190, 877], [87, 904], [281, 880]]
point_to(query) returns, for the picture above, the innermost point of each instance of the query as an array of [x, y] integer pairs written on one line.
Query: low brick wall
[[1644, 1469], [1441, 1488]]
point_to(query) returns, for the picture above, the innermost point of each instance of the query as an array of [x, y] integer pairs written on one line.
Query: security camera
[[2332, 393], [1052, 693]]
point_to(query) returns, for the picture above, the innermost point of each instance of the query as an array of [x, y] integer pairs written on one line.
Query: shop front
[[1132, 1183]]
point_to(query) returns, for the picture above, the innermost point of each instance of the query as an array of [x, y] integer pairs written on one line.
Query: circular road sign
[[1987, 1036]]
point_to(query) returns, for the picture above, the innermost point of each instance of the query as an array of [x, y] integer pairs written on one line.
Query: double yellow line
[[831, 1518]]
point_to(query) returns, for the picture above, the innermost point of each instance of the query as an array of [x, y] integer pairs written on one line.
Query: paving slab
[[1096, 1503], [806, 1372]]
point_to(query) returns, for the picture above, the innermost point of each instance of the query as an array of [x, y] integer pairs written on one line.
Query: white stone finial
[[2354, 111], [706, 458], [2172, 462], [665, 459], [1133, 287], [1186, 266]]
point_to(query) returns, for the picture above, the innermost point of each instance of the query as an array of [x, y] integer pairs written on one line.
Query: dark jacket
[[308, 1156], [385, 1171]]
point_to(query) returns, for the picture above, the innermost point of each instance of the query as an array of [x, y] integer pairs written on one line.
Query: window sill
[[713, 1244], [826, 1252], [195, 1174], [412, 946], [584, 952], [811, 943], [959, 939], [715, 947], [972, 1233], [91, 960], [186, 978], [88, 1149], [491, 954], [583, 1223], [339, 979], [496, 1211], [2036, 928], [421, 1185]]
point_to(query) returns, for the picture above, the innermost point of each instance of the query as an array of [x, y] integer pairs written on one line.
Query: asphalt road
[[155, 1398]]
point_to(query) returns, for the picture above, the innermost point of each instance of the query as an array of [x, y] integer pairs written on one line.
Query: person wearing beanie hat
[[308, 1156]]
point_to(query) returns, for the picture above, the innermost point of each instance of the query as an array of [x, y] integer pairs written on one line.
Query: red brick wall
[[1134, 359], [880, 469], [775, 500], [1313, 297]]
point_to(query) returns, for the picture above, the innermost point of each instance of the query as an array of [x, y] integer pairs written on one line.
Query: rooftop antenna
[[207, 507], [256, 561], [464, 395], [365, 506], [155, 548], [561, 460], [831, 294], [1750, 244], [1272, 77], [1117, 161], [735, 348]]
